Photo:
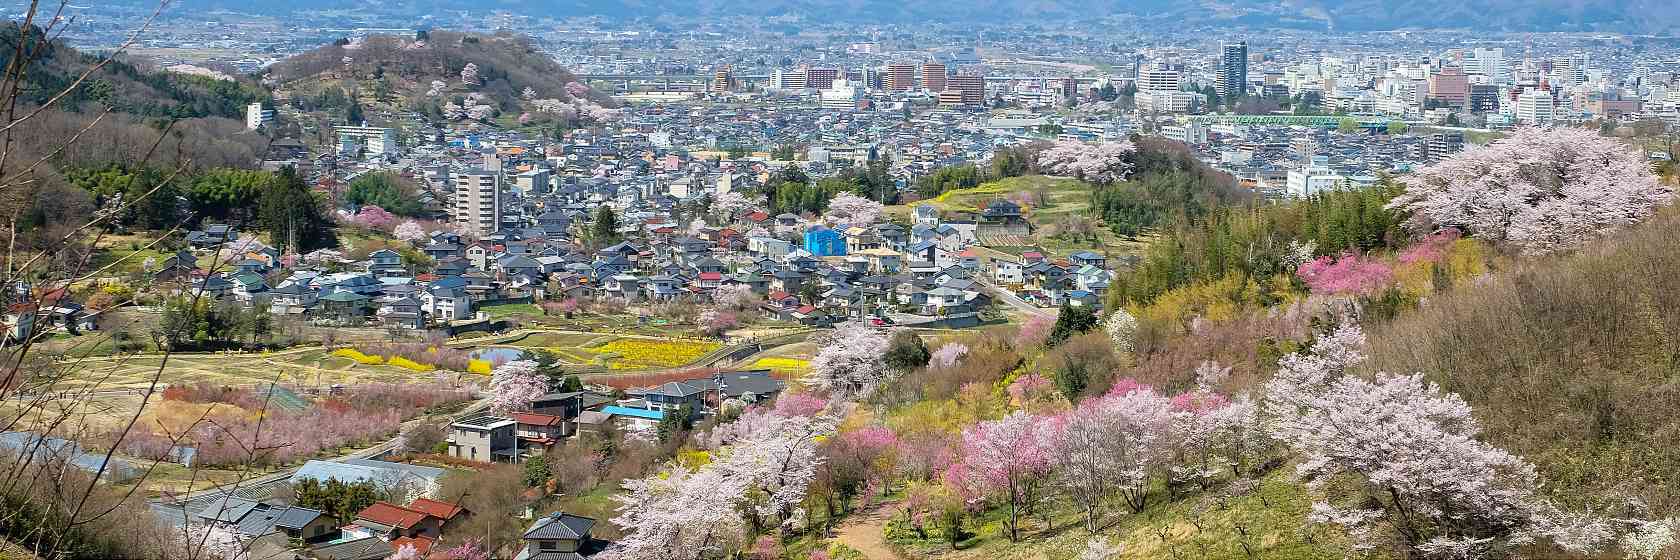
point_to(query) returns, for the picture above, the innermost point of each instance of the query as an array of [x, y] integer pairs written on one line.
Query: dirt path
[[863, 532]]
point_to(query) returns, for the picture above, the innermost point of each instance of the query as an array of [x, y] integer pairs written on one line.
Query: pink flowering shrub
[[374, 217], [799, 404], [1350, 274], [1036, 330], [1431, 248]]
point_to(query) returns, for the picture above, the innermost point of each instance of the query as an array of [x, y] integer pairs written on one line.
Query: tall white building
[[257, 117], [1158, 78], [478, 200], [1534, 107], [1489, 63]]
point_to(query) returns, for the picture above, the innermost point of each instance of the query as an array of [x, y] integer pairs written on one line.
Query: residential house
[[559, 536], [484, 438], [390, 521]]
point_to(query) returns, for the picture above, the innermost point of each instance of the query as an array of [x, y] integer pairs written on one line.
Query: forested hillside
[[122, 85]]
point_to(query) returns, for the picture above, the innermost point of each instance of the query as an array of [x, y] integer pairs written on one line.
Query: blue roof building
[[824, 242]]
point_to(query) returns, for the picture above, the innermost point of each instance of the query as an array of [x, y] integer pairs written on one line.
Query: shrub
[[481, 367], [359, 357], [406, 363]]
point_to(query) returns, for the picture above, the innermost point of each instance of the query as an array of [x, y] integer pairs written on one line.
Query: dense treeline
[[791, 190], [1008, 161], [281, 204], [1167, 185], [1260, 243]]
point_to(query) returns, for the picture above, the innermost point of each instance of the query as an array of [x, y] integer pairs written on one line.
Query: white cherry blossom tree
[[1541, 190]]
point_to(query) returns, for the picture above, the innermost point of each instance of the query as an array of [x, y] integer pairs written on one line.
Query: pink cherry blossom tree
[[1414, 453], [848, 208], [374, 217], [1010, 458], [715, 322], [1541, 190], [409, 231], [1102, 163], [1349, 274], [849, 363], [471, 549], [734, 203], [469, 74], [514, 385], [738, 297], [406, 552], [1113, 445], [799, 404]]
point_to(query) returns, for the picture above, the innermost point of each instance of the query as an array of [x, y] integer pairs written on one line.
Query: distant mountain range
[[1633, 16]]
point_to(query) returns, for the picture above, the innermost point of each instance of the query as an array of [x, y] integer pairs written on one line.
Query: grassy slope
[[1202, 526], [1065, 197], [1571, 361]]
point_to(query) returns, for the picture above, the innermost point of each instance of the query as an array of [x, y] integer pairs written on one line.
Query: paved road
[[1012, 300]]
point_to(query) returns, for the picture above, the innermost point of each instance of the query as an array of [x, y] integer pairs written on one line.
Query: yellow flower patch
[[359, 357], [636, 353]]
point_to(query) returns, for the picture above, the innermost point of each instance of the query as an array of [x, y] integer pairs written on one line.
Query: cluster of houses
[[275, 529], [551, 418], [807, 271]]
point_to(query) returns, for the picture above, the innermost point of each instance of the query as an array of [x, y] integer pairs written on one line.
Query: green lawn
[[510, 309]]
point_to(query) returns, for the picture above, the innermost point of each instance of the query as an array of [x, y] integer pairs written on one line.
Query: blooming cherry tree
[[949, 354], [734, 203], [469, 74], [1349, 274], [1413, 451], [409, 231], [1539, 189], [739, 297], [1011, 456], [1121, 328], [849, 364], [1113, 444], [204, 541], [1104, 163], [515, 384], [852, 209]]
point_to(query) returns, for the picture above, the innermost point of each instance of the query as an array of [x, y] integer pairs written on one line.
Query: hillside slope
[[406, 67], [1571, 361], [125, 87]]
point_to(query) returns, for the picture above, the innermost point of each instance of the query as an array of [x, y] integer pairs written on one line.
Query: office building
[[1484, 98], [723, 80], [973, 88], [843, 96], [933, 77], [1449, 87], [820, 78], [901, 77], [1534, 107], [788, 79], [1316, 178], [1233, 71], [478, 200], [1158, 78]]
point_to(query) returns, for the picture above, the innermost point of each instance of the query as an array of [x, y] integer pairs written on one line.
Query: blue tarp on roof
[[634, 412]]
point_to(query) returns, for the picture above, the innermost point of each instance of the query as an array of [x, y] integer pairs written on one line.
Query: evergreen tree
[[294, 216], [906, 351], [1072, 320], [605, 229]]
